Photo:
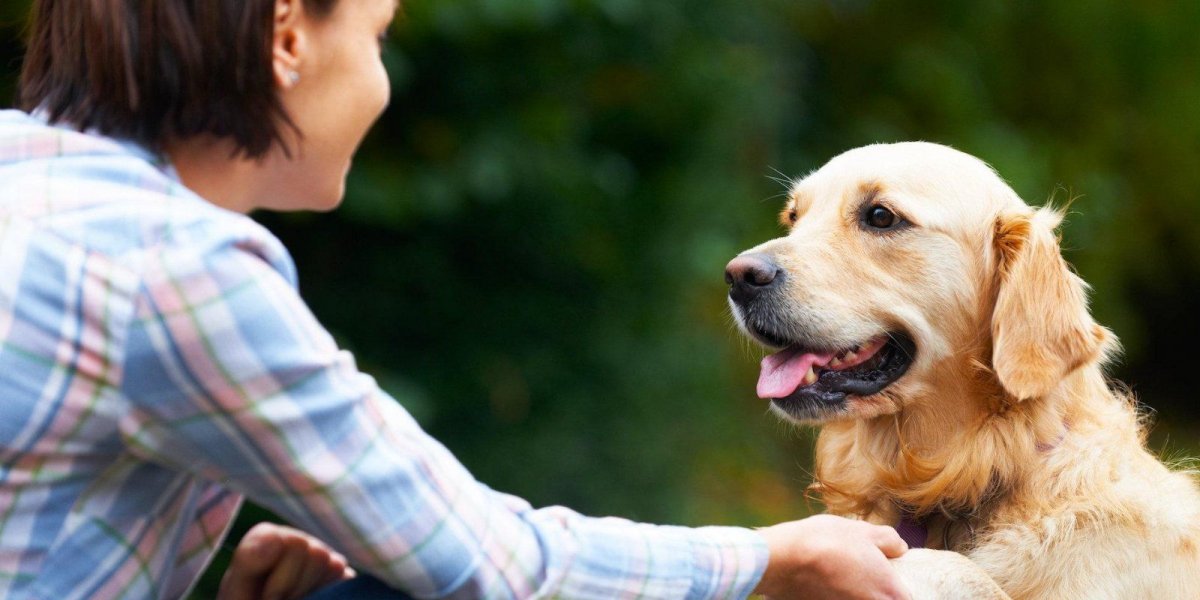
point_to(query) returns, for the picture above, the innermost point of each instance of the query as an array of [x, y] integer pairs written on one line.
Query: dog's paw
[[940, 575]]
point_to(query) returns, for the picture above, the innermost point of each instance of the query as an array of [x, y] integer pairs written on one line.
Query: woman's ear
[[1041, 327], [289, 42]]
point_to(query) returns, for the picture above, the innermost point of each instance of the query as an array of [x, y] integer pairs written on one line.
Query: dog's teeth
[[850, 356], [810, 377], [836, 362]]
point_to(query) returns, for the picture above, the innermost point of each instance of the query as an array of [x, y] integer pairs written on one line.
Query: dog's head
[[909, 268]]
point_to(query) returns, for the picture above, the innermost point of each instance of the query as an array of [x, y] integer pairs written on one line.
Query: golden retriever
[[922, 313]]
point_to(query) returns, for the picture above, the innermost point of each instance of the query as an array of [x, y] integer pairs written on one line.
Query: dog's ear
[[1041, 327]]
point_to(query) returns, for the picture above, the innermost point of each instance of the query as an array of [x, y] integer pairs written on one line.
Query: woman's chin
[[325, 204], [313, 197]]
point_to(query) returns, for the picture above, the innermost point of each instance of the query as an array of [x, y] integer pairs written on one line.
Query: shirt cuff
[[728, 562]]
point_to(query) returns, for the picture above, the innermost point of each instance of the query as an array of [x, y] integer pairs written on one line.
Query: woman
[[158, 364]]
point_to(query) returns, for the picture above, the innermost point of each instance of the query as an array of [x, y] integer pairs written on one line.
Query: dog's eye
[[788, 217], [879, 217]]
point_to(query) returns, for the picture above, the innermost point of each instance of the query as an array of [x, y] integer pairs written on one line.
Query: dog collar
[[914, 533]]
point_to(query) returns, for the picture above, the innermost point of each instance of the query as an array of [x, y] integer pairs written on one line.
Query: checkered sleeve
[[230, 377]]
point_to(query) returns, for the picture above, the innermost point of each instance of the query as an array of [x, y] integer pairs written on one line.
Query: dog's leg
[[940, 575]]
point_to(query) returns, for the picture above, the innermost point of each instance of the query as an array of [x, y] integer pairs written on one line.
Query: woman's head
[[292, 84]]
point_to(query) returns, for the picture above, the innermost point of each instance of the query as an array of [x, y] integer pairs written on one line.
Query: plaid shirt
[[157, 364]]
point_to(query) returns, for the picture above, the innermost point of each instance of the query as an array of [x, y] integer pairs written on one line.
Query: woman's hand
[[831, 557], [274, 562]]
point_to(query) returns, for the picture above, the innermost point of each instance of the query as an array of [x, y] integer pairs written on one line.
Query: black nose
[[751, 274]]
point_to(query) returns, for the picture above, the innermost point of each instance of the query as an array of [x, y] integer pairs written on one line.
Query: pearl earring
[[293, 77]]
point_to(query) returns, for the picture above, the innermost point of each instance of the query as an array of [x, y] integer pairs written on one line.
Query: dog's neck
[[927, 461]]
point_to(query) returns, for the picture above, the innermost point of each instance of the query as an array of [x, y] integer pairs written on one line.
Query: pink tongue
[[784, 371]]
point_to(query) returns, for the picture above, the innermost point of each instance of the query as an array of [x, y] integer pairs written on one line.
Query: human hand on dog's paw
[[274, 562], [830, 557]]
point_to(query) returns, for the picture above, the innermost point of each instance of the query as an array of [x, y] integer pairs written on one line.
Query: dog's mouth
[[804, 382]]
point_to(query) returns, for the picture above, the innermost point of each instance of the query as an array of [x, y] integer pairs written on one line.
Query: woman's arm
[[230, 377]]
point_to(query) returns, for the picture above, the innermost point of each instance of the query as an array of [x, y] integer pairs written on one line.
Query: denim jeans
[[363, 587]]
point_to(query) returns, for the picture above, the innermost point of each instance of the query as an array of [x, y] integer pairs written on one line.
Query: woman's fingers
[[889, 541], [254, 558], [275, 562]]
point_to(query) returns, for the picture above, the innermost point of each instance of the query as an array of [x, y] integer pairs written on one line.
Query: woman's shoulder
[[30, 141], [112, 197]]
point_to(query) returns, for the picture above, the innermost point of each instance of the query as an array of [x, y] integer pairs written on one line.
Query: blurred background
[[531, 251]]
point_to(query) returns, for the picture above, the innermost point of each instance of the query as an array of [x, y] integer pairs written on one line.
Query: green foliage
[[530, 253]]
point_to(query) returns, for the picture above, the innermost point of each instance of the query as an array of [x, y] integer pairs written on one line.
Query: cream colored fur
[[1004, 433]]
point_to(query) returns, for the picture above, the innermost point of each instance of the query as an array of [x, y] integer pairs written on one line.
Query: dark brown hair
[[156, 70]]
